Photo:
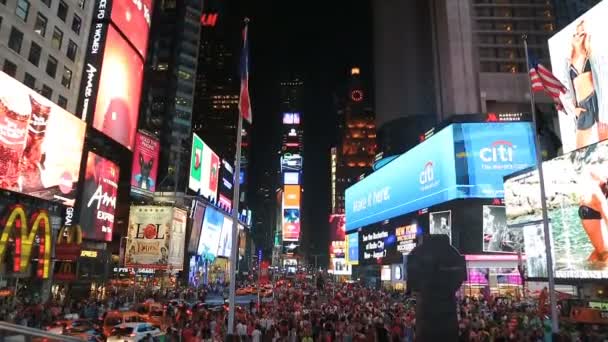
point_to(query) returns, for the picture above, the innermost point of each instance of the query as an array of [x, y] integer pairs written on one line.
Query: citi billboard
[[464, 160]]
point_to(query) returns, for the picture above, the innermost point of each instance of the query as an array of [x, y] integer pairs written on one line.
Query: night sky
[[319, 40]]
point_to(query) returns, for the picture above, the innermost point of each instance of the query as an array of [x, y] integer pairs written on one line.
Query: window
[[48, 3], [76, 23], [66, 79], [46, 91], [22, 9], [62, 10], [40, 25], [9, 68], [15, 40], [34, 56], [51, 67], [62, 102], [29, 81], [57, 38], [72, 49]]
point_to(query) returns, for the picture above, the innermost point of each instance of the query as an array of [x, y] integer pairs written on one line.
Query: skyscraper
[[169, 84]]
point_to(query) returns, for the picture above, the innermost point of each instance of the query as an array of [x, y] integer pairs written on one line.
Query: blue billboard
[[463, 160], [353, 248], [210, 233], [423, 176]]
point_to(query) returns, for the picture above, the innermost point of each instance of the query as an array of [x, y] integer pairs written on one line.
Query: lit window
[[40, 25], [57, 39], [66, 79]]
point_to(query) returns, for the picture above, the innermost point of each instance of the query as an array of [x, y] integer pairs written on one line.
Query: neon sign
[[209, 19], [25, 236]]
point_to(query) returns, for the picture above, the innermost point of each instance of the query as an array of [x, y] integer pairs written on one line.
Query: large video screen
[[226, 183], [133, 19], [291, 161], [579, 59], [225, 245], [576, 188], [497, 236], [119, 91], [440, 223], [40, 144], [204, 169], [291, 178], [99, 194], [291, 224], [149, 237], [197, 222], [145, 164], [353, 248], [291, 196], [210, 233]]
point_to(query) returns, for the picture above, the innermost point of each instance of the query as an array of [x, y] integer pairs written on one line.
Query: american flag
[[244, 100], [544, 80]]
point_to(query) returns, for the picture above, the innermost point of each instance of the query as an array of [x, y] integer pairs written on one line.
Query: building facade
[[566, 11], [43, 43]]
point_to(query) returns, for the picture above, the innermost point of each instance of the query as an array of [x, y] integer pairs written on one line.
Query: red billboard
[[132, 17], [40, 144], [119, 90], [145, 164], [98, 201]]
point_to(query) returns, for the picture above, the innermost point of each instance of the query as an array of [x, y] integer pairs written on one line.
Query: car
[[57, 327], [133, 332]]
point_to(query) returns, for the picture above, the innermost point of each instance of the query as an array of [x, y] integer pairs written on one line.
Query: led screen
[[353, 248], [149, 237], [291, 118], [291, 224], [579, 59], [291, 178], [211, 233], [226, 181], [99, 198], [497, 236], [40, 144], [204, 169], [291, 196], [406, 238], [195, 230], [119, 90], [177, 239], [225, 245], [441, 223], [132, 17], [376, 244], [145, 164], [291, 162], [576, 199]]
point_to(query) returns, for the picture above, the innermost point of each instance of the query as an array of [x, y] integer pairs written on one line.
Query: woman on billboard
[[589, 129], [593, 212]]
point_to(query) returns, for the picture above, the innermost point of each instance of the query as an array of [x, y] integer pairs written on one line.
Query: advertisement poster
[[119, 91], [291, 162], [291, 196], [210, 233], [40, 144], [579, 60], [148, 237], [339, 266], [197, 224], [353, 248], [225, 245], [536, 256], [406, 238], [576, 188], [291, 224], [133, 19], [497, 236], [204, 169], [477, 276], [441, 223], [145, 163], [337, 224], [99, 194], [225, 185], [376, 245], [177, 239], [291, 178]]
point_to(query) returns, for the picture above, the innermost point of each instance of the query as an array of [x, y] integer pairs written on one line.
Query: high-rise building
[[43, 45], [169, 83], [356, 145], [438, 58], [566, 11]]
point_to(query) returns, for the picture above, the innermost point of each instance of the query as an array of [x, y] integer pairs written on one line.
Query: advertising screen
[[225, 185], [421, 177], [353, 248], [204, 169], [145, 164], [376, 244], [291, 178], [177, 239], [339, 266], [225, 245], [497, 236], [534, 244], [477, 276], [338, 227], [486, 152], [148, 237], [441, 223], [40, 144], [119, 90], [291, 196], [99, 194], [579, 59], [133, 19], [291, 162], [291, 118], [385, 273], [291, 224], [210, 233], [197, 223], [576, 199], [406, 238]]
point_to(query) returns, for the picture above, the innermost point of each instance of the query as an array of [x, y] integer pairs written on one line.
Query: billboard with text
[[148, 237], [145, 164]]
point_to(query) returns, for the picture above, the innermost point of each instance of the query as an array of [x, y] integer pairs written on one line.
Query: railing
[[18, 333]]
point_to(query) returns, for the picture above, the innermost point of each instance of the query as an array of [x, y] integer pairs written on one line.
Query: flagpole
[[235, 220], [543, 201]]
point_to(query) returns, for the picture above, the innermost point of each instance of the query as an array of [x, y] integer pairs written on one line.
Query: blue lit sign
[[353, 248], [464, 160]]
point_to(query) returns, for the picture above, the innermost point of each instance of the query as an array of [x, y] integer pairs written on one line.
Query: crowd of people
[[303, 311]]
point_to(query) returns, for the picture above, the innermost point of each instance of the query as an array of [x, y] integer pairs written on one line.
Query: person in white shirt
[[256, 336], [241, 329]]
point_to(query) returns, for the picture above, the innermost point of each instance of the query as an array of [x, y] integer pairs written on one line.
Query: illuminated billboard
[[576, 202], [40, 144], [225, 244], [352, 241], [226, 184], [291, 224], [291, 162], [291, 196], [291, 118], [149, 237], [204, 169], [145, 164], [177, 239], [198, 213], [210, 233], [578, 60], [291, 178], [99, 194]]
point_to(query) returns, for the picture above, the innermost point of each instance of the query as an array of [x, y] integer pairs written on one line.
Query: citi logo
[[428, 174], [499, 151]]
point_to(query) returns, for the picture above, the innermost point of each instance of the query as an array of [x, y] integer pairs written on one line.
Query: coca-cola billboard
[[98, 201], [40, 144]]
